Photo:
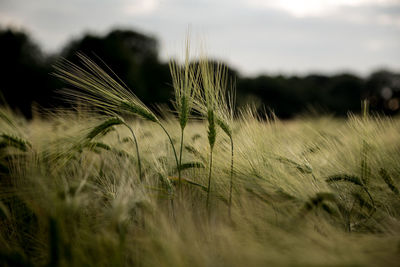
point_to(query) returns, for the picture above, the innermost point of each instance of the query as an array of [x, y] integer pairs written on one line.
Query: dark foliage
[[134, 58]]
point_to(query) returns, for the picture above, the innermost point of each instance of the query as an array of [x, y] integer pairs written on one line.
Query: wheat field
[[83, 188]]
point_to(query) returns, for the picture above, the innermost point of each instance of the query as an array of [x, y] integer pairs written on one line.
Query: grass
[[311, 191], [211, 95], [94, 210], [184, 80], [100, 90]]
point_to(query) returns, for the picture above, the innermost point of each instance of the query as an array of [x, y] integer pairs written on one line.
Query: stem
[[173, 148], [369, 195], [209, 178], [231, 181], [180, 156], [137, 152]]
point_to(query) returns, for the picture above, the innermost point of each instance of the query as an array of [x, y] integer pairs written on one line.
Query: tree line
[[25, 78]]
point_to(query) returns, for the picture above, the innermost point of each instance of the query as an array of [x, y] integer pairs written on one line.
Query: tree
[[133, 57], [23, 71]]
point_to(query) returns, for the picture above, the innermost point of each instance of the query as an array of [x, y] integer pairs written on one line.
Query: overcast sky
[[254, 36]]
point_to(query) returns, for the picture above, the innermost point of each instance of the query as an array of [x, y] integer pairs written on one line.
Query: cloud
[[294, 36], [140, 7], [316, 8]]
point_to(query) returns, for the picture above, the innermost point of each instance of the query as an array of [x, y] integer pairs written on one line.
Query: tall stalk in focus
[[183, 81], [211, 101]]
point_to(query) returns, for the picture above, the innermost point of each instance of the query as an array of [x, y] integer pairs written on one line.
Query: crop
[[75, 191], [211, 101], [100, 90], [183, 83]]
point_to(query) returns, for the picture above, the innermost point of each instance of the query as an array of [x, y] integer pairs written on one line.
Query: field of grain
[[128, 187]]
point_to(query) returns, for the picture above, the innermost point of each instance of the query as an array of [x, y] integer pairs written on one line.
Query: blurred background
[[288, 56]]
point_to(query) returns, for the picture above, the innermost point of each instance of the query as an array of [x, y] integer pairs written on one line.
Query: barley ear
[[138, 110], [212, 131], [345, 178], [14, 141], [389, 181], [103, 127], [224, 126]]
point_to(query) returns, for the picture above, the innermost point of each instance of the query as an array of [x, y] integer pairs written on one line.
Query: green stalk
[[212, 134], [365, 171], [231, 181], [369, 195], [173, 148], [137, 152], [180, 156], [209, 178]]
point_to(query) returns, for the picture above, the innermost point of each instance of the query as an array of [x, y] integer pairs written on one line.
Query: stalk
[[173, 148], [180, 157], [231, 180], [137, 152], [365, 171], [209, 179], [212, 134], [183, 79]]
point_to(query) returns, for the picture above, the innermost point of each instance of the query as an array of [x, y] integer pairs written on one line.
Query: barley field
[[203, 185]]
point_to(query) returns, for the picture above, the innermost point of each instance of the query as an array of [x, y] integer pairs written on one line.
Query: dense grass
[[313, 191], [82, 189]]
